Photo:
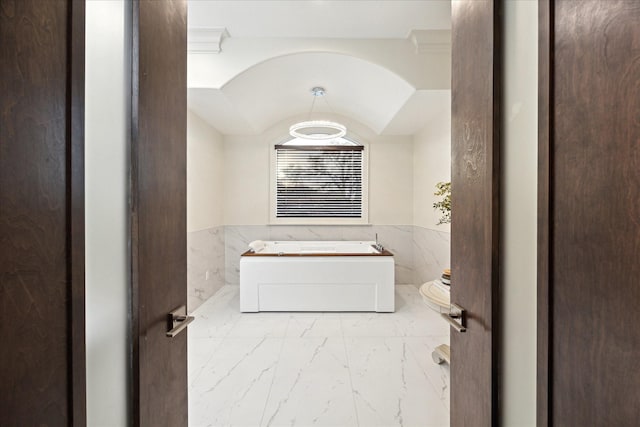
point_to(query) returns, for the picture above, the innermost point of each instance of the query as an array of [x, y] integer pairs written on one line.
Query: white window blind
[[319, 181]]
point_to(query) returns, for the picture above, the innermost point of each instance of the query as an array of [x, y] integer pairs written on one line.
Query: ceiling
[[376, 68], [355, 19]]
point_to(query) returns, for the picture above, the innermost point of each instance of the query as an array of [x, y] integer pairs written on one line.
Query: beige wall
[[391, 180], [432, 164], [246, 174], [204, 175], [519, 159]]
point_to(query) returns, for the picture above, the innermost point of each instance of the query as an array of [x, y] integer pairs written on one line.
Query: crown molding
[[206, 40], [431, 41]]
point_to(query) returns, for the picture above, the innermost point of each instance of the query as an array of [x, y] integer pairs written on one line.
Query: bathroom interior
[[385, 72]]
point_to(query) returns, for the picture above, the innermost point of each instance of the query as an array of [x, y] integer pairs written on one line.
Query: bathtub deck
[[321, 369]]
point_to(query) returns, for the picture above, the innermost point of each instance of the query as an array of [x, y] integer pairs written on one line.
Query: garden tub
[[316, 276]]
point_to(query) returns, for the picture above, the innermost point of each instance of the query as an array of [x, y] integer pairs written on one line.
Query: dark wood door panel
[[475, 207], [596, 268], [41, 213], [159, 246], [594, 216]]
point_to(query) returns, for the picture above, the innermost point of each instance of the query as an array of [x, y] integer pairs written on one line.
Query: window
[[319, 182]]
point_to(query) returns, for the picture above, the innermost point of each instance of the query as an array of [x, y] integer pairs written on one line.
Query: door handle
[[456, 313], [177, 321]]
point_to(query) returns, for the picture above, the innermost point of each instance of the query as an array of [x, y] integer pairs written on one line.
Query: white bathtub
[[317, 276]]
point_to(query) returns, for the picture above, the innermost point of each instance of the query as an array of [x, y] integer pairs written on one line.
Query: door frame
[[548, 227], [494, 262], [76, 214], [544, 309]]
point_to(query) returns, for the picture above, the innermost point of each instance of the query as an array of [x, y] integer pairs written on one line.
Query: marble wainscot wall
[[205, 265], [431, 253], [396, 238], [214, 254]]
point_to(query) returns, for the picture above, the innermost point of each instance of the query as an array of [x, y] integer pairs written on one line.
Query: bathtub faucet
[[378, 246]]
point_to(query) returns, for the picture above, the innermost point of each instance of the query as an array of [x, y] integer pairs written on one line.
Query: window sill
[[319, 221]]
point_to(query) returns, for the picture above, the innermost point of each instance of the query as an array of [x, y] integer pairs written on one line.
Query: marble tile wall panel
[[303, 232], [206, 250], [431, 253], [397, 239], [237, 239]]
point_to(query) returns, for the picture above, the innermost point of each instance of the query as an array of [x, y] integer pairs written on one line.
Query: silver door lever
[[456, 312], [178, 320]]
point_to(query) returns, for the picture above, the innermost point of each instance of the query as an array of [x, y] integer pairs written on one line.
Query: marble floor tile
[[212, 325], [217, 316], [411, 318], [318, 325], [227, 299], [250, 326], [311, 386], [438, 375], [420, 324], [369, 325], [233, 387], [317, 369], [389, 386], [199, 352]]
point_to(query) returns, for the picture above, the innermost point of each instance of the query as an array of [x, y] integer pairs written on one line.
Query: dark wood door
[[158, 239], [42, 355], [475, 187], [589, 247]]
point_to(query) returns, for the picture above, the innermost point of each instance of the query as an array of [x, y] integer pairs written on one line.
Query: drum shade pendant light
[[317, 129]]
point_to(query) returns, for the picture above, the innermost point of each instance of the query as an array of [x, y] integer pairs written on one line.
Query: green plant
[[444, 205]]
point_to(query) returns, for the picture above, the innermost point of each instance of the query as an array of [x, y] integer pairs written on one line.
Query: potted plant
[[443, 205]]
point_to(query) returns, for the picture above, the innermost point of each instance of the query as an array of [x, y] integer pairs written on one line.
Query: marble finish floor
[[317, 369]]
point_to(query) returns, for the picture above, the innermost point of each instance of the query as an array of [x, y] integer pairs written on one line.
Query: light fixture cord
[[313, 103], [329, 105]]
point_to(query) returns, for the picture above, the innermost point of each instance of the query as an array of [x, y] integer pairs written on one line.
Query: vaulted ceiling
[[251, 64]]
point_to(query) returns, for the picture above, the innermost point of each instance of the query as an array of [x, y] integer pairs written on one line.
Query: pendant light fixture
[[317, 129]]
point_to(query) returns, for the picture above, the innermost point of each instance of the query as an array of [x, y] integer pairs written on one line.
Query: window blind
[[319, 181]]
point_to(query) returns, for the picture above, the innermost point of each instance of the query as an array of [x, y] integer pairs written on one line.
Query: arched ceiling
[[280, 88], [382, 78]]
